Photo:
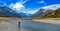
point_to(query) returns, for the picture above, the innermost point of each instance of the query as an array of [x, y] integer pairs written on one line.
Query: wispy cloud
[[3, 3], [24, 1], [54, 6], [42, 1]]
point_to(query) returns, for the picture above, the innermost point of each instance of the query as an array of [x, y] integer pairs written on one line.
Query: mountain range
[[53, 14], [8, 12], [41, 12], [47, 10]]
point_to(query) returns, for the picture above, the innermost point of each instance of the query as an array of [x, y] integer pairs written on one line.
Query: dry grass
[[9, 18], [46, 19]]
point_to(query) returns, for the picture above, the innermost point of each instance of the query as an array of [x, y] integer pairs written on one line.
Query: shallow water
[[29, 25]]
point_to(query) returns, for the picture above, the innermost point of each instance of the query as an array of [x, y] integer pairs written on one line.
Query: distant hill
[[53, 14], [7, 12]]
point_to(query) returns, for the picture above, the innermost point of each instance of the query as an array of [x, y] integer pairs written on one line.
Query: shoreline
[[49, 21]]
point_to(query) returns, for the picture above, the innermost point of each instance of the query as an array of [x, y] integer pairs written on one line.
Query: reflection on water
[[28, 25]]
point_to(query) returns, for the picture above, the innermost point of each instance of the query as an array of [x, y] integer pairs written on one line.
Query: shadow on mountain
[[7, 12]]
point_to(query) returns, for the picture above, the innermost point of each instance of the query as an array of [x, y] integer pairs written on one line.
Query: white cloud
[[17, 6], [24, 1], [30, 12], [41, 2], [54, 6]]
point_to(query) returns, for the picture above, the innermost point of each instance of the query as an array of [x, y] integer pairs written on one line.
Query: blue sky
[[28, 5]]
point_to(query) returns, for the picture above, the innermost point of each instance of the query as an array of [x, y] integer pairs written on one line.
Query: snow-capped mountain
[[46, 10], [50, 8], [8, 12], [53, 7], [53, 14]]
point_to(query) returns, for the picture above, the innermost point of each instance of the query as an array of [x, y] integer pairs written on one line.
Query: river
[[29, 25]]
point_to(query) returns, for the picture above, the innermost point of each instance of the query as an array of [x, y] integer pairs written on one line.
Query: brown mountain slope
[[54, 14]]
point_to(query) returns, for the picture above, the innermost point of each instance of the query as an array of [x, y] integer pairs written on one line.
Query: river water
[[29, 25]]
